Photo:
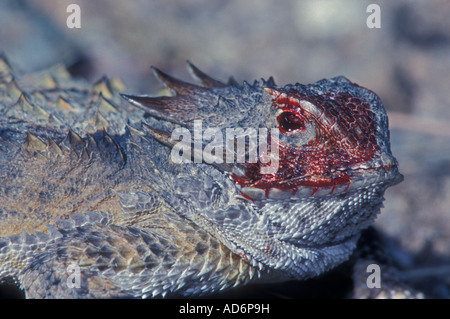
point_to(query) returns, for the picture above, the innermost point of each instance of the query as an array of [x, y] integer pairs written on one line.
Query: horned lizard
[[88, 181]]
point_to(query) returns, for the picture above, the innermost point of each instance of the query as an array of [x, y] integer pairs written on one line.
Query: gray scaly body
[[87, 181]]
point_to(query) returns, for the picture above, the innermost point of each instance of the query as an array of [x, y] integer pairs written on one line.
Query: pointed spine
[[34, 143], [75, 139], [203, 78], [177, 86]]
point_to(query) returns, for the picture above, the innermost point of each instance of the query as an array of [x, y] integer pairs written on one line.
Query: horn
[[203, 78], [177, 86]]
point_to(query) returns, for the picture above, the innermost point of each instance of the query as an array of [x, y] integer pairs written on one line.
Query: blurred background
[[406, 62]]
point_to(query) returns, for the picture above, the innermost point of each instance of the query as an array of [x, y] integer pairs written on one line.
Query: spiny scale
[[204, 79], [177, 86]]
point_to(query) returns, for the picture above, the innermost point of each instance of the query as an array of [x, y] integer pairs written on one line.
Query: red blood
[[290, 122], [344, 136]]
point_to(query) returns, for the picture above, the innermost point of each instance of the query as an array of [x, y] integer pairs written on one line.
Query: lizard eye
[[290, 122]]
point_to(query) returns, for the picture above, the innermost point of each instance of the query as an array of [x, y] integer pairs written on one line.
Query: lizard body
[[87, 180]]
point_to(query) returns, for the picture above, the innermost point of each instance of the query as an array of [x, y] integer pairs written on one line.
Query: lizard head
[[301, 201], [331, 137]]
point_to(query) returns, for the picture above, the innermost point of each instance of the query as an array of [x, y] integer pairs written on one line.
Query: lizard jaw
[[384, 176]]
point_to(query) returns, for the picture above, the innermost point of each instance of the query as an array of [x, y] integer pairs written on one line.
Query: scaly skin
[[87, 180]]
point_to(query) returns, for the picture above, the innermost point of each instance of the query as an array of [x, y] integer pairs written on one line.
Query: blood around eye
[[290, 122]]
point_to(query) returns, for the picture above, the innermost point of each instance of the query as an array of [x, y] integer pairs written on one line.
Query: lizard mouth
[[360, 179]]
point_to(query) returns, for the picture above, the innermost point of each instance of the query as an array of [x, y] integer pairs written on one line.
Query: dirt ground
[[406, 62]]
